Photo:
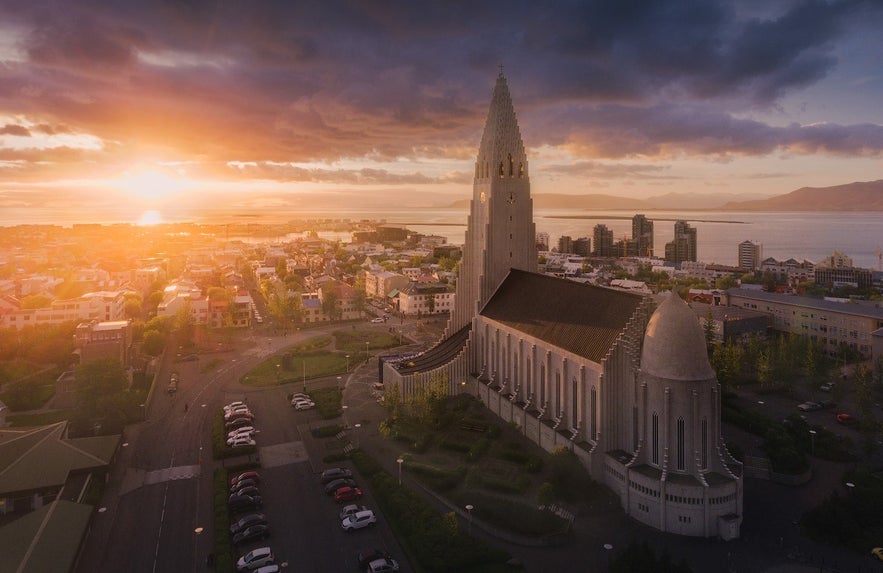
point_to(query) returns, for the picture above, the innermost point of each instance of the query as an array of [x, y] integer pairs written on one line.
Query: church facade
[[617, 378]]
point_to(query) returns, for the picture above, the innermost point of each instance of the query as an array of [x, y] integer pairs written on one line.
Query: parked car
[[809, 406], [366, 556], [826, 387], [350, 509], [335, 473], [252, 475], [233, 405], [826, 404], [242, 484], [241, 441], [347, 494], [238, 413], [241, 503], [358, 520], [377, 320], [255, 558], [383, 566], [335, 485], [251, 491], [238, 423], [251, 533], [846, 419], [243, 431], [300, 396], [303, 404], [247, 521]]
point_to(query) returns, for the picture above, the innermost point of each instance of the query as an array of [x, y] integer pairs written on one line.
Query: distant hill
[[859, 196]]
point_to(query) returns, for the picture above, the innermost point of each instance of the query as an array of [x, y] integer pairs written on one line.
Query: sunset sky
[[269, 105]]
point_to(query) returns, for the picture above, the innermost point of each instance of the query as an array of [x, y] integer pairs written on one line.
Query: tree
[[33, 301], [97, 379], [153, 343], [708, 330], [330, 302], [132, 309], [725, 282]]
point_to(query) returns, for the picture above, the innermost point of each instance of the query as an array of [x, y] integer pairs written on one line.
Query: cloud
[[13, 129], [284, 83]]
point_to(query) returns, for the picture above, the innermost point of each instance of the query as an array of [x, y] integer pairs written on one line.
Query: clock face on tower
[[511, 198]]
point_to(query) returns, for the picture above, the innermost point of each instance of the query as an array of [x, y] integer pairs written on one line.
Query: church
[[618, 378]]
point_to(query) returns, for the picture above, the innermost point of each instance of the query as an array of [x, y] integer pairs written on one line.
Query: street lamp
[[469, 509], [400, 461], [607, 548], [347, 363], [356, 434], [339, 385], [305, 375], [812, 437]]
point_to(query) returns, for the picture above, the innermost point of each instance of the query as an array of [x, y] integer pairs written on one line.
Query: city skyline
[[280, 107]]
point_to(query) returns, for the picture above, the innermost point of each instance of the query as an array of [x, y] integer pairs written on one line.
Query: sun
[[150, 218]]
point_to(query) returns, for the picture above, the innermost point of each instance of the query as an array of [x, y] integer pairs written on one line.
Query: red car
[[347, 494], [252, 475], [846, 419]]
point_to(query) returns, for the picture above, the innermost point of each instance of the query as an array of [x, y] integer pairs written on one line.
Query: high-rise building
[[750, 255], [683, 246], [542, 241], [603, 239], [642, 234], [582, 247], [565, 244]]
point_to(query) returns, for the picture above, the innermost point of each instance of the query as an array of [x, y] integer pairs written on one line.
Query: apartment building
[[833, 322]]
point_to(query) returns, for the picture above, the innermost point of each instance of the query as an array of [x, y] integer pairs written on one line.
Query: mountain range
[[858, 196]]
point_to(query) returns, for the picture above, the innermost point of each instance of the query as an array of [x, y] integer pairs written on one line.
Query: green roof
[[46, 540]]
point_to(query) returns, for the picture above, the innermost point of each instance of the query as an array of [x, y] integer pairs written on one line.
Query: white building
[[627, 389]]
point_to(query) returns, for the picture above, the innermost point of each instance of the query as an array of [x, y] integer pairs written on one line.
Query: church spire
[[501, 145]]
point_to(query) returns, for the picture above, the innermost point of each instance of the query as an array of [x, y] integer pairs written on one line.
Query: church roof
[[674, 344], [582, 319]]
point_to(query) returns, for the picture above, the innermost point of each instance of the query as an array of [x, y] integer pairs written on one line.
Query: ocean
[[798, 235]]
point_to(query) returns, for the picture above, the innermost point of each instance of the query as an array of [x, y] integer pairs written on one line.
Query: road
[[157, 512]]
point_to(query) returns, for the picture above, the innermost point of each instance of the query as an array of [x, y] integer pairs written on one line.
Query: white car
[[300, 396], [350, 509], [240, 441], [232, 405], [255, 558], [243, 431], [303, 404], [377, 320], [383, 565], [358, 520]]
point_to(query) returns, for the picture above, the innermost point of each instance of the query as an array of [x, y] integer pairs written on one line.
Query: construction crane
[[879, 252]]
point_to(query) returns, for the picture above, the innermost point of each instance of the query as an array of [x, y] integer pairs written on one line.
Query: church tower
[[500, 232]]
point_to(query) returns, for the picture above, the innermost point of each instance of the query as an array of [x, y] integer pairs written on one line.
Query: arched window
[[521, 170], [529, 378], [501, 169], [682, 459], [559, 391], [542, 383], [511, 167], [654, 437], [593, 405]]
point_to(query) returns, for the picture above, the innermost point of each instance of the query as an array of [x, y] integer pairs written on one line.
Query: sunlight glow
[[150, 218], [151, 184]]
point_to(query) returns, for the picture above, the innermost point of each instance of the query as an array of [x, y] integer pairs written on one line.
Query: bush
[[223, 555], [327, 431]]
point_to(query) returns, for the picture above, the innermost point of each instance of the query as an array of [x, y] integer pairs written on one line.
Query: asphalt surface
[[151, 526]]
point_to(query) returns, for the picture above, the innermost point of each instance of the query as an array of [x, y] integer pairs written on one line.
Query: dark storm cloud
[[311, 81]]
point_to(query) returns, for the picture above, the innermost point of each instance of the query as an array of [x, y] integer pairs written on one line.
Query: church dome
[[674, 344]]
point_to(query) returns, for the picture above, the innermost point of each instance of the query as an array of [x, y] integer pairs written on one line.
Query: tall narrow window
[[634, 428], [521, 170], [529, 378], [682, 461], [542, 384], [593, 405], [501, 169], [511, 166], [655, 438], [574, 403], [558, 393], [704, 453]]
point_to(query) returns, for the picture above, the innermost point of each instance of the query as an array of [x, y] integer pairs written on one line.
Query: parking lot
[[305, 528]]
